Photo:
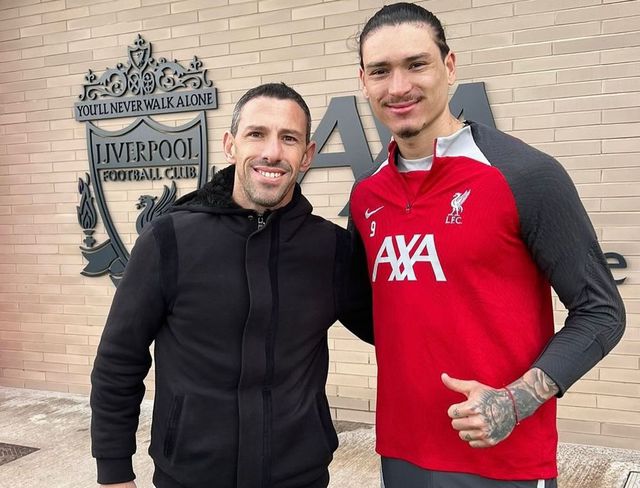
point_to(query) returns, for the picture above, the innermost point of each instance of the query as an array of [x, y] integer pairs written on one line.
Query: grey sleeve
[[558, 233]]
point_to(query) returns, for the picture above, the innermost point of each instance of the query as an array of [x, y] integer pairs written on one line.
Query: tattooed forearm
[[497, 410], [532, 390]]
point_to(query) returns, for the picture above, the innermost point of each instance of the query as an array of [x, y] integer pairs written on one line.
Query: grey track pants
[[396, 473]]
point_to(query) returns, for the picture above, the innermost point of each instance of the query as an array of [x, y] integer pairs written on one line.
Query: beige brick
[[556, 61], [260, 19], [356, 392], [517, 24], [20, 22], [65, 59], [112, 6], [599, 160], [259, 44], [617, 430], [229, 36], [619, 403], [227, 12], [201, 28], [268, 5], [599, 43], [621, 375], [522, 109], [143, 13], [356, 369], [23, 374], [42, 8], [535, 6], [621, 85], [598, 13], [613, 416], [43, 29], [49, 114], [512, 53], [113, 29], [23, 64], [349, 357], [558, 120], [486, 41], [610, 131], [295, 53], [48, 72], [331, 60], [26, 128], [621, 146], [189, 5], [67, 14], [620, 115], [559, 91], [46, 385], [21, 43], [342, 34], [46, 50], [348, 403], [282, 28], [9, 98], [597, 102], [622, 362], [65, 378], [261, 69], [625, 24], [355, 416], [91, 21], [326, 8], [9, 34], [579, 426]]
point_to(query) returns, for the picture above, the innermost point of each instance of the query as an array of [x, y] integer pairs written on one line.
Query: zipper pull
[[261, 222], [407, 209]]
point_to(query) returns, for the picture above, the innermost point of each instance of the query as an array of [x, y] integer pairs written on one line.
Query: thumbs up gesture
[[486, 417]]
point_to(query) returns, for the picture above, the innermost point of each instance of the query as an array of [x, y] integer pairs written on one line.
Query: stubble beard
[[266, 198]]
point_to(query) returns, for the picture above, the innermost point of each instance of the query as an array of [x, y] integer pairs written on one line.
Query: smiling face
[[406, 80], [269, 150]]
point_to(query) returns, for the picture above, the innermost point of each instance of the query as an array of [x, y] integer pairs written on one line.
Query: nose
[[272, 149], [399, 83]]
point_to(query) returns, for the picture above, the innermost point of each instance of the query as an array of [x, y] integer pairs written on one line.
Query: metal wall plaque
[[151, 155]]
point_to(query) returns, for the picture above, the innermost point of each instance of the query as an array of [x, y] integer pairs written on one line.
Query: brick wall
[[563, 76]]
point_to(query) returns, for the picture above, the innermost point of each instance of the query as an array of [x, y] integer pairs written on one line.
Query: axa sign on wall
[[145, 156], [151, 156]]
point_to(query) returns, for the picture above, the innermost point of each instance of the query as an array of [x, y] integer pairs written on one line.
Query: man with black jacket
[[237, 286]]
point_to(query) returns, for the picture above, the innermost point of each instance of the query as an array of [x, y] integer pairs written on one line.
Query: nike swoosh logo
[[368, 214]]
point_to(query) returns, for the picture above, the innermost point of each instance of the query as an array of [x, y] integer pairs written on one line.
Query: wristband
[[513, 402]]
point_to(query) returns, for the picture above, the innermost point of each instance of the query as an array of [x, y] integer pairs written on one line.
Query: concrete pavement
[[58, 425]]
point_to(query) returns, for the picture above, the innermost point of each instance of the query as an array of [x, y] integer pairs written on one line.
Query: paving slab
[[46, 444]]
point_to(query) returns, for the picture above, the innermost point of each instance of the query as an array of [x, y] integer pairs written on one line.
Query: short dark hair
[[270, 90], [405, 13]]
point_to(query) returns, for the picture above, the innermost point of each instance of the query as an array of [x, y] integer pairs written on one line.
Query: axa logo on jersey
[[400, 258]]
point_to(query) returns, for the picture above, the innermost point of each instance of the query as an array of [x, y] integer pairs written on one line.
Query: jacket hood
[[216, 196]]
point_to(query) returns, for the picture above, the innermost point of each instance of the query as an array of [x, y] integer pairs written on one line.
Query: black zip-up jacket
[[238, 306]]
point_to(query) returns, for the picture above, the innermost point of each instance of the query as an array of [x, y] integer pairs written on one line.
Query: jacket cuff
[[115, 471]]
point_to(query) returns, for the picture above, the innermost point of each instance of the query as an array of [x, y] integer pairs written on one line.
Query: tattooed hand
[[488, 415], [485, 418]]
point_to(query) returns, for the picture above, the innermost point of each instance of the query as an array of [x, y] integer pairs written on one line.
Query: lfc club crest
[[137, 170]]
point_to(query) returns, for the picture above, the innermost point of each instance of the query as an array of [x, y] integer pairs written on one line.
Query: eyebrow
[[263, 128], [408, 59]]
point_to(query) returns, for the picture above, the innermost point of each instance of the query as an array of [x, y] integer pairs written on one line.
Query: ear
[[365, 92], [450, 65], [229, 145], [307, 159]]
